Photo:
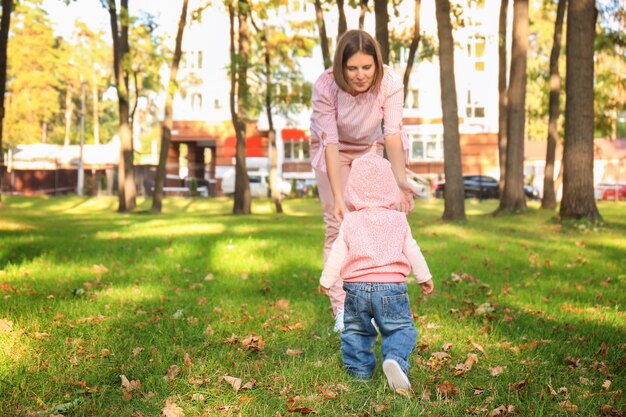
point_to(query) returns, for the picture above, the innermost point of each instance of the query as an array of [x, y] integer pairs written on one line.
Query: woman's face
[[359, 72]]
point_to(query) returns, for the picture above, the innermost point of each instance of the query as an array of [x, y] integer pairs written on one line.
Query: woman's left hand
[[405, 198]]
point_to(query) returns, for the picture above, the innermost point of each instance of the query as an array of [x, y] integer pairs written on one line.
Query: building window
[[475, 108], [297, 150], [426, 147], [476, 52], [196, 101]]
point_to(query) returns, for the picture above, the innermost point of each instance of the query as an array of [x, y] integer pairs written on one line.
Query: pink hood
[[371, 183]]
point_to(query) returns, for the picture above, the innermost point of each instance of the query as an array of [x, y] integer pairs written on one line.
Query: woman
[[357, 108]]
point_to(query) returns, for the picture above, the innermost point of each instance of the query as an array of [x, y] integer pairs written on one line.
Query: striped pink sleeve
[[393, 105], [324, 116]]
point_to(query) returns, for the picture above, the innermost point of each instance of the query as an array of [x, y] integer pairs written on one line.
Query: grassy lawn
[[196, 312]]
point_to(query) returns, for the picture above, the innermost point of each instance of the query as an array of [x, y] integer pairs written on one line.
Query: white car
[[259, 184]]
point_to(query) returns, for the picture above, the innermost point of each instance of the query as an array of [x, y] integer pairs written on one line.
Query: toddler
[[373, 254]]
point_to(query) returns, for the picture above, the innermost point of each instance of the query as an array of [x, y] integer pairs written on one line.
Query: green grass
[[177, 301]]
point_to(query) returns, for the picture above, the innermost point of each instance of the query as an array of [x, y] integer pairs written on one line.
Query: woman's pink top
[[355, 122]]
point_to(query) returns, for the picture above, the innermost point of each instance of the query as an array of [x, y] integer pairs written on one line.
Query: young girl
[[373, 254]]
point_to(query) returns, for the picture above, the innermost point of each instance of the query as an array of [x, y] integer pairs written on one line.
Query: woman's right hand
[[339, 209]]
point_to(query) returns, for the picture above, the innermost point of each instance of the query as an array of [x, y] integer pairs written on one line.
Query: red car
[[611, 192]]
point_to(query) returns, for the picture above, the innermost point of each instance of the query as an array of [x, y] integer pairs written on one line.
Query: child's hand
[[323, 290], [427, 287]]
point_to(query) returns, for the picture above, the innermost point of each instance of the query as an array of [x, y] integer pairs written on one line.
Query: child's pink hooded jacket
[[374, 242]]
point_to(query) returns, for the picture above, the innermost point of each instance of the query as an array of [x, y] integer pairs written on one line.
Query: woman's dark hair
[[350, 43]]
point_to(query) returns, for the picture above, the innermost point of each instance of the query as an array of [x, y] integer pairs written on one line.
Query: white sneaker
[[397, 379], [338, 322]]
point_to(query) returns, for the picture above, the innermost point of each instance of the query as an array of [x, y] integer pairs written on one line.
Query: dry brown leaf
[[231, 340], [6, 326], [302, 410], [447, 389], [282, 304], [446, 347], [478, 347], [568, 406], [294, 352], [137, 351], [249, 385], [603, 350], [233, 381], [472, 358], [518, 385], [172, 409], [209, 277], [478, 390], [197, 397], [606, 385], [255, 343], [187, 361], [504, 410], [129, 386], [426, 394], [496, 370], [172, 373], [327, 393]]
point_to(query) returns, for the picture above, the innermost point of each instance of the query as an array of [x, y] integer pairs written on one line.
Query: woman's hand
[[405, 198], [339, 209]]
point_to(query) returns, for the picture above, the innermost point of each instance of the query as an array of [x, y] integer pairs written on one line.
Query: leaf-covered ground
[[196, 312]]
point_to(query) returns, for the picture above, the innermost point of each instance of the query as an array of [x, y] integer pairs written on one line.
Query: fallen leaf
[[197, 397], [518, 385], [568, 406], [478, 347], [255, 343], [302, 410], [447, 389], [6, 326], [497, 370], [505, 410], [478, 390], [294, 352], [472, 358], [209, 277], [603, 350], [606, 385], [187, 360], [137, 351], [327, 393], [282, 304], [447, 347], [234, 382], [172, 373], [249, 385], [172, 410]]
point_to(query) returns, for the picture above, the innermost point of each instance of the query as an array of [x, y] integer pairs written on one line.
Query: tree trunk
[[126, 177], [513, 198], [454, 194], [68, 113], [548, 200], [239, 68], [382, 27], [168, 120], [413, 48], [578, 194], [273, 177], [321, 26], [342, 26], [362, 13], [502, 90], [5, 24]]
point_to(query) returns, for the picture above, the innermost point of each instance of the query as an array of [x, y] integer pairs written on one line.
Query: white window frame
[[431, 145], [303, 150]]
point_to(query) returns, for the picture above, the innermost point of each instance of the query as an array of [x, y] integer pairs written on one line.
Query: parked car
[[259, 184], [475, 186], [607, 191]]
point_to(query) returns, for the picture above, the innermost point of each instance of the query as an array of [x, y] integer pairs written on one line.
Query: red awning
[[294, 134], [254, 146]]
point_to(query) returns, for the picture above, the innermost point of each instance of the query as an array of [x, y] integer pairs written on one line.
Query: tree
[[513, 198], [502, 89], [239, 91], [34, 73], [5, 24], [578, 194], [168, 122], [121, 57], [548, 201], [342, 25], [362, 12], [382, 28], [321, 27], [413, 48], [454, 208]]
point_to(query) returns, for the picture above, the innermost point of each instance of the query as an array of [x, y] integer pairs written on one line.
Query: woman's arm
[[332, 170], [395, 154]]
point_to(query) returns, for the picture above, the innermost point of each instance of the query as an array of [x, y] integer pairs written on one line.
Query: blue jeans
[[388, 304]]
